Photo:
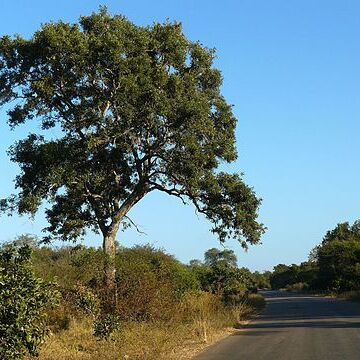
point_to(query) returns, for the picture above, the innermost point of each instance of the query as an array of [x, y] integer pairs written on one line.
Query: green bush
[[24, 299], [69, 266], [231, 283], [150, 283]]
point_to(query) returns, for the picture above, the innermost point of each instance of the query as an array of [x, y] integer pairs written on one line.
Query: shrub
[[150, 283], [69, 266], [23, 301], [300, 286], [229, 282]]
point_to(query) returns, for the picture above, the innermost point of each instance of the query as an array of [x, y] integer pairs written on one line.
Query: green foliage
[[138, 109], [220, 275], [232, 283], [343, 232], [69, 266], [150, 283], [338, 259], [215, 256], [261, 280], [333, 266], [285, 276], [24, 299]]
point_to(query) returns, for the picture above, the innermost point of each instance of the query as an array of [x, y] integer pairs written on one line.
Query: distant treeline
[[333, 266]]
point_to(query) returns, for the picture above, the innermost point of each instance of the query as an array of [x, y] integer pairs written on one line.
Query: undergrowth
[[197, 319]]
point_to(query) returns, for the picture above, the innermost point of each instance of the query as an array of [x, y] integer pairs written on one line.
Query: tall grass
[[198, 317], [351, 295]]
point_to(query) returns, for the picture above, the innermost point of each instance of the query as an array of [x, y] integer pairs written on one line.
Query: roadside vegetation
[[162, 307], [333, 266]]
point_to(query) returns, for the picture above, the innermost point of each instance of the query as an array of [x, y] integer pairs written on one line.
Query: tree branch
[[135, 225], [173, 191]]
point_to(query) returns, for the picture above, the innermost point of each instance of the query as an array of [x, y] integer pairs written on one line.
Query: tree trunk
[[110, 270], [109, 248]]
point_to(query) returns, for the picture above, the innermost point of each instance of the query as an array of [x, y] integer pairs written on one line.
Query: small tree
[[220, 275], [215, 256], [23, 301], [136, 109]]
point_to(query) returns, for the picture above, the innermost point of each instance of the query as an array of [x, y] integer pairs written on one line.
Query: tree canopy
[[338, 258], [215, 256], [134, 109]]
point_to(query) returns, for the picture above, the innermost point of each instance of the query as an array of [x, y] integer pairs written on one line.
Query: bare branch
[[135, 225]]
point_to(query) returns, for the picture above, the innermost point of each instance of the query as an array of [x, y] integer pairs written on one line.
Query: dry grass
[[200, 320], [137, 340], [256, 302], [350, 295]]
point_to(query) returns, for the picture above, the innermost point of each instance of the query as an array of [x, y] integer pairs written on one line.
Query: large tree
[[132, 109]]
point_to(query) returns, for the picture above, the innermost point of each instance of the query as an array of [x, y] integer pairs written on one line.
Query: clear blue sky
[[292, 71]]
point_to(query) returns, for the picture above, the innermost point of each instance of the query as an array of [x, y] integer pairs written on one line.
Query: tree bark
[[109, 249]]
